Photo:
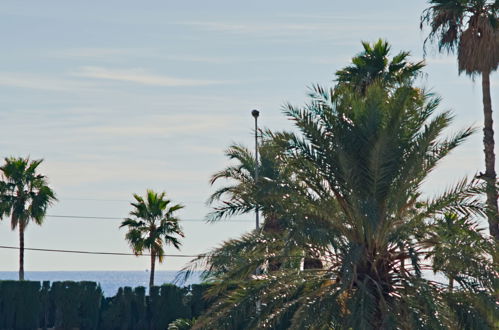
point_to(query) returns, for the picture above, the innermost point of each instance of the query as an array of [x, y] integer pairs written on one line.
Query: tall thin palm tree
[[471, 28], [152, 225], [24, 196], [374, 65]]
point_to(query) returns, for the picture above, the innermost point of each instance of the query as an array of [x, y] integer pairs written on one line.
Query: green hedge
[[199, 304], [19, 304], [126, 310], [46, 315], [166, 304], [81, 305], [76, 304]]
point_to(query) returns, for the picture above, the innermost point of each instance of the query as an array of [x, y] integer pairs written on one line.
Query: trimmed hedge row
[[80, 305]]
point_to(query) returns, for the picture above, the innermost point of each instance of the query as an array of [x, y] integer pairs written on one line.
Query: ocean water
[[110, 281]]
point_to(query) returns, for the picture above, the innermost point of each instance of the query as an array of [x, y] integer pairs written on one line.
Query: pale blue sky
[[121, 96]]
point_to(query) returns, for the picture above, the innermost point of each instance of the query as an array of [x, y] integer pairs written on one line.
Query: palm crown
[[469, 27], [373, 65], [152, 225]]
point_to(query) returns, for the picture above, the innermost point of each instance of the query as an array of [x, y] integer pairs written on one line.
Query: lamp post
[[255, 113]]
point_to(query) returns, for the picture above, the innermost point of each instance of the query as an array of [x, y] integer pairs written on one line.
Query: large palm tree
[[24, 196], [363, 160], [471, 28], [152, 225], [374, 65]]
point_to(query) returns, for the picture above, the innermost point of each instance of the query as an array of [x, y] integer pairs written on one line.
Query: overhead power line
[[125, 254], [82, 217], [94, 199], [117, 200], [101, 253], [121, 218]]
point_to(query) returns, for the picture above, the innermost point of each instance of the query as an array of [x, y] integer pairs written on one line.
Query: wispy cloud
[[258, 59], [111, 55], [162, 125], [102, 53], [66, 173], [291, 29], [41, 82], [140, 76]]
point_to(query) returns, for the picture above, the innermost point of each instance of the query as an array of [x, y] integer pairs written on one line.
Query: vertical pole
[[255, 114], [257, 208]]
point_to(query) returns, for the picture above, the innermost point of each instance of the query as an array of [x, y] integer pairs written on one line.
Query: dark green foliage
[[66, 311], [80, 305], [8, 293], [181, 324], [45, 306], [126, 310], [481, 313], [90, 296], [198, 301], [19, 304], [133, 310], [112, 308], [76, 304], [167, 303], [139, 308]]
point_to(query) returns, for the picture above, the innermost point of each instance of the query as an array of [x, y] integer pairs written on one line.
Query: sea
[[110, 281]]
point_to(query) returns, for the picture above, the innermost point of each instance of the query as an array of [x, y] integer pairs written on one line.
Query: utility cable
[[123, 253], [116, 200], [101, 253], [118, 218]]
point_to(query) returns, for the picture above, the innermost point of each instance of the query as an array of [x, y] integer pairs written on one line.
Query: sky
[[122, 96]]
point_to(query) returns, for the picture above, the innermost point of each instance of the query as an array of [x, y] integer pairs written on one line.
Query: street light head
[[255, 113]]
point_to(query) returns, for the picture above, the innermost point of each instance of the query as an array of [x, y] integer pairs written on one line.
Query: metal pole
[[255, 114]]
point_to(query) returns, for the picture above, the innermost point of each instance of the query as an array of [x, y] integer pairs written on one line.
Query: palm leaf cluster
[[373, 65], [25, 194], [152, 225], [469, 27], [348, 191]]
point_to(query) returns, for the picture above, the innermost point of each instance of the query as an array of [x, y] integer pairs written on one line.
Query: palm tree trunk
[[21, 251], [151, 278], [488, 143]]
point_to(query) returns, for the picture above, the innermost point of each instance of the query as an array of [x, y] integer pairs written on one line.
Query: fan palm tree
[[152, 225], [363, 160], [24, 196], [373, 65], [471, 28]]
